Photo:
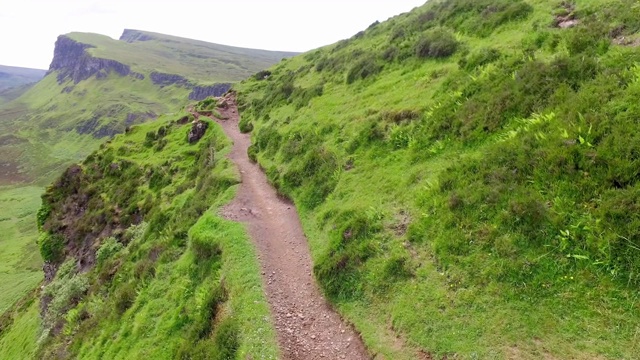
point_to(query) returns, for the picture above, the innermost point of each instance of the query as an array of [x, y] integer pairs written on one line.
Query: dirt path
[[307, 327]]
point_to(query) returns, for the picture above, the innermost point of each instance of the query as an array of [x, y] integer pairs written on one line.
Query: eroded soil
[[307, 327]]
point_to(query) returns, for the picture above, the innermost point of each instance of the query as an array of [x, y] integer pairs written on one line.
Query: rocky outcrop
[[130, 36], [138, 118], [97, 127], [197, 92], [136, 75], [163, 79], [197, 131], [72, 61], [202, 92]]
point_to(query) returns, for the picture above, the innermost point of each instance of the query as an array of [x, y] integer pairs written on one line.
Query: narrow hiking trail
[[307, 327]]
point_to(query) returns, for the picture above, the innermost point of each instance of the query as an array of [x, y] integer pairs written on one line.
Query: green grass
[[480, 204], [466, 175], [198, 60], [20, 264], [49, 126], [185, 283], [152, 327], [20, 341]]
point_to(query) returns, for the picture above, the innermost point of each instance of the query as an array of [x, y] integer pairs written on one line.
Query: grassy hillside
[[85, 99], [146, 51], [149, 269], [11, 76], [468, 176]]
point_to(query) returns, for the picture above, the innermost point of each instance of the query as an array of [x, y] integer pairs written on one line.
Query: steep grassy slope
[[20, 265], [468, 176], [96, 87], [147, 268]]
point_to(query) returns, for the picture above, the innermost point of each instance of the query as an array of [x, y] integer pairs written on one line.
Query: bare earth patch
[[307, 327], [10, 173], [627, 41]]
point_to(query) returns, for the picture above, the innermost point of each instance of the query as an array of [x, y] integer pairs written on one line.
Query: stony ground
[[308, 328]]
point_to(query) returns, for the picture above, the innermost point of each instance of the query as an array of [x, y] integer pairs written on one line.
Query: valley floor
[[20, 263]]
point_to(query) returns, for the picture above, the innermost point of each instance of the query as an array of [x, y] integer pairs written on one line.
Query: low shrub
[[436, 43], [43, 214], [398, 116], [317, 170], [397, 267], [262, 75], [108, 249], [479, 58], [150, 138], [301, 97], [226, 339], [588, 39], [159, 178], [474, 17], [51, 247], [245, 125], [124, 297], [362, 69], [208, 104], [63, 293], [267, 140], [252, 153], [390, 54]]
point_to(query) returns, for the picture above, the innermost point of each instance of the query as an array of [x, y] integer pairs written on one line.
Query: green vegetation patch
[[471, 188], [20, 264], [162, 275]]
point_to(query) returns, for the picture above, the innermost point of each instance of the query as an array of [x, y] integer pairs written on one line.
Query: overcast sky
[[29, 28]]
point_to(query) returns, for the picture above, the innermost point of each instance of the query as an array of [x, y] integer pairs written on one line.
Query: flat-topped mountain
[[146, 53]]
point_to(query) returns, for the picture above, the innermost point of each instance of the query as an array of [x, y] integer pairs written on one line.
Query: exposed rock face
[[163, 79], [137, 118], [197, 92], [197, 131], [202, 92], [130, 36], [71, 60], [136, 75], [96, 126]]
